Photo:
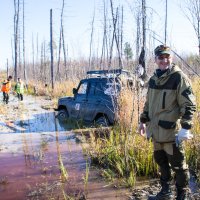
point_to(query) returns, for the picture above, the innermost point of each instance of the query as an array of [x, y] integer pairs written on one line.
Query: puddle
[[42, 159]]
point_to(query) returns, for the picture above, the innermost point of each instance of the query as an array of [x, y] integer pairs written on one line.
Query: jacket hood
[[164, 77], [173, 69]]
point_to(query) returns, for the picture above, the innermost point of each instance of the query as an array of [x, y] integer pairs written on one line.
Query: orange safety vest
[[6, 87]]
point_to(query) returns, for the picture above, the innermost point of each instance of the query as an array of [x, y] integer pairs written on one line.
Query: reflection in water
[[64, 174], [39, 123]]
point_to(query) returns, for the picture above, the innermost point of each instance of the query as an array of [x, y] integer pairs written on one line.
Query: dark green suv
[[95, 99]]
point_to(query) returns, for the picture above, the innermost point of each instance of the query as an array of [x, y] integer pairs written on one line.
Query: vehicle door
[[94, 99], [79, 101]]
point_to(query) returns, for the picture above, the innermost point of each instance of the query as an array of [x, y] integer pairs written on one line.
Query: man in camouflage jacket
[[167, 119]]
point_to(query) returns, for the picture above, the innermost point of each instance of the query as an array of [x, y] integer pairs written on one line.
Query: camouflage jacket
[[170, 105]]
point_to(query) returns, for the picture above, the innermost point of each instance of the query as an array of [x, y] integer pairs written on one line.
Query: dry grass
[[130, 108], [193, 146], [126, 154], [60, 89]]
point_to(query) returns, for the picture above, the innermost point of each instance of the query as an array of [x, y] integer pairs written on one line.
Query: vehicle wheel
[[102, 121], [62, 114]]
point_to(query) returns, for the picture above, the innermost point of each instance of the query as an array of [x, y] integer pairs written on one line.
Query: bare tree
[[166, 12], [115, 19], [16, 36], [61, 44], [51, 47], [192, 13], [64, 52], [59, 47], [7, 68], [24, 58], [33, 58], [113, 36], [104, 50], [91, 40]]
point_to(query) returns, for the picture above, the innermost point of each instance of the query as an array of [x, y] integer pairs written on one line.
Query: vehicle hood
[[65, 99]]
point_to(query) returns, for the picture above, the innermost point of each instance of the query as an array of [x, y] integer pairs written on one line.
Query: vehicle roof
[[108, 73], [99, 79]]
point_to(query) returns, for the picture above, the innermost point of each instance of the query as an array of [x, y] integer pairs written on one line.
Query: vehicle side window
[[92, 88], [82, 89], [112, 88], [99, 89]]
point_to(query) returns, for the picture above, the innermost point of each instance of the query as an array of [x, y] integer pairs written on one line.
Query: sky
[[78, 16]]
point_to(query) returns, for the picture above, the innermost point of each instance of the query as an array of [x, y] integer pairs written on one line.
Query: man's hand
[[142, 129], [182, 135]]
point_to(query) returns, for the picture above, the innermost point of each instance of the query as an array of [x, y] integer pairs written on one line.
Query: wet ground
[[41, 159]]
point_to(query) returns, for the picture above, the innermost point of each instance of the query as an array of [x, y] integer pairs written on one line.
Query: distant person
[[6, 87], [19, 89], [167, 119]]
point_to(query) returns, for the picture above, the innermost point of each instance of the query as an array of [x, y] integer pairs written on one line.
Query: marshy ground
[[41, 158]]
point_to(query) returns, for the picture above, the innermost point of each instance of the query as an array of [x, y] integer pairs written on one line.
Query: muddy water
[[42, 159]]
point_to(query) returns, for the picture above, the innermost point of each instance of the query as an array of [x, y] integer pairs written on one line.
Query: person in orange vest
[[6, 87]]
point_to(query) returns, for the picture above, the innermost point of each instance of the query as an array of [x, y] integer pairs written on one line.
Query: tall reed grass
[[193, 146], [124, 154]]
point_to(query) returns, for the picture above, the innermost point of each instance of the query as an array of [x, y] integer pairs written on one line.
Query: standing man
[[19, 89], [167, 114], [6, 87]]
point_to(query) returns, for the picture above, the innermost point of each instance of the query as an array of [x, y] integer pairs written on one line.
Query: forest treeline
[[50, 63]]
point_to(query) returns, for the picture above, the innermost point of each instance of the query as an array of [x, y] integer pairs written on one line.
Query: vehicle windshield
[[82, 89]]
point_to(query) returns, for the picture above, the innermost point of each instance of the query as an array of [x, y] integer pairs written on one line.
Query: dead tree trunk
[[16, 29], [114, 19], [121, 38], [7, 68], [19, 71], [138, 39], [64, 52], [24, 58], [114, 32], [51, 47], [166, 21], [61, 44], [144, 35], [33, 58], [104, 50], [59, 50], [91, 40]]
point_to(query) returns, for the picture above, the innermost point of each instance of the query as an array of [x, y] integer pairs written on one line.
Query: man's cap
[[162, 49]]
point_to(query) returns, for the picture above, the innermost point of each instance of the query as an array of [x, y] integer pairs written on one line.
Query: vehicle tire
[[102, 121], [62, 114]]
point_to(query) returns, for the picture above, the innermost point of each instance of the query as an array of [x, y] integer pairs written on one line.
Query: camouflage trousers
[[175, 162]]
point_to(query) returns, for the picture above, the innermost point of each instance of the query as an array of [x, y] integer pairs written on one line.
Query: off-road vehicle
[[95, 98]]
